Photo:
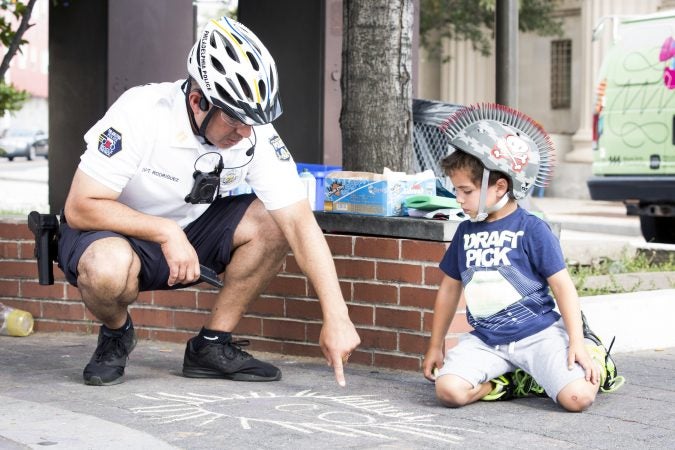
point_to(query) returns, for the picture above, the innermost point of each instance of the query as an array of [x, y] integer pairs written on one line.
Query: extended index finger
[[339, 370]]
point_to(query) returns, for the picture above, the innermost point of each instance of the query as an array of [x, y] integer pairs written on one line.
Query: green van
[[634, 123]]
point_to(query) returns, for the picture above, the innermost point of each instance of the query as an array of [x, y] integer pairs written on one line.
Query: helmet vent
[[253, 61], [244, 87], [227, 44], [230, 53], [218, 66], [222, 92], [261, 89]]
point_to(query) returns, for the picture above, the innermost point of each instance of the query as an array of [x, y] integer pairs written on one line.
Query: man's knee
[[109, 264], [259, 226]]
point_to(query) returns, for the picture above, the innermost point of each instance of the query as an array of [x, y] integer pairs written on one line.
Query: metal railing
[[430, 145]]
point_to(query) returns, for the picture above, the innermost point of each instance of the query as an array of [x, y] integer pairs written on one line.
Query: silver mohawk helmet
[[505, 140]]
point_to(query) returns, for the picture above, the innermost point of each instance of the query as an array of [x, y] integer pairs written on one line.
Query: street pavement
[[44, 404]]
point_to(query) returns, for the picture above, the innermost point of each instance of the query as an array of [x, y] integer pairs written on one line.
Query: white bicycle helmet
[[235, 72], [505, 140]]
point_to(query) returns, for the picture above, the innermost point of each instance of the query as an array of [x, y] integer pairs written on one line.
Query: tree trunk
[[376, 117]]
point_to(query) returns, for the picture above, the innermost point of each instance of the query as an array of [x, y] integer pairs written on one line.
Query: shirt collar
[[183, 136]]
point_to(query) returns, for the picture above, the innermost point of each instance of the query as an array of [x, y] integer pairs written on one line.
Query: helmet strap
[[499, 205], [205, 123], [200, 130], [482, 213]]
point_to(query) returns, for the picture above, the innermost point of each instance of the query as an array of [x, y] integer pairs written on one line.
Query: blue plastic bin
[[319, 171]]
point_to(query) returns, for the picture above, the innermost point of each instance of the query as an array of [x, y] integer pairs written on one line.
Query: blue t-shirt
[[503, 266]]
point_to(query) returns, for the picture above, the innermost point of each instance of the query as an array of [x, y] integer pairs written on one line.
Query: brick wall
[[389, 285]]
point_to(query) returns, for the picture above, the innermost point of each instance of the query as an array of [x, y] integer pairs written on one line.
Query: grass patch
[[612, 270]]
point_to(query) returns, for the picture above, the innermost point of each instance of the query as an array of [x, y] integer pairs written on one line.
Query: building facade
[[29, 71], [557, 77]]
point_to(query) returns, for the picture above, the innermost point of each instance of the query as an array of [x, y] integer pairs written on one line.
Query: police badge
[[280, 148]]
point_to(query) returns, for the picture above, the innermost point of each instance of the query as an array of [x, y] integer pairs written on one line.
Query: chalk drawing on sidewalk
[[305, 412]]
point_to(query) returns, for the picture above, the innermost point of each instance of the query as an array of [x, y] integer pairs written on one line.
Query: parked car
[[21, 142]]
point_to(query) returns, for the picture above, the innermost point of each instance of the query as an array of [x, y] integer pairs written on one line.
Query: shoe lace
[[612, 380], [234, 348], [524, 384], [111, 348]]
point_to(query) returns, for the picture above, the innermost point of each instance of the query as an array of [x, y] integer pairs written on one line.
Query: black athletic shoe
[[106, 365], [226, 360]]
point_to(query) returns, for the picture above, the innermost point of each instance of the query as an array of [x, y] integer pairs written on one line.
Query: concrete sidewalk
[[591, 230], [45, 404], [589, 215]]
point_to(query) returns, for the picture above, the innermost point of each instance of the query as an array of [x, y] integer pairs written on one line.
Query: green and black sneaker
[[610, 381], [512, 385]]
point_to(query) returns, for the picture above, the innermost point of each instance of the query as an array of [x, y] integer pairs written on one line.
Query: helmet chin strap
[[499, 205], [201, 131], [205, 123], [484, 211]]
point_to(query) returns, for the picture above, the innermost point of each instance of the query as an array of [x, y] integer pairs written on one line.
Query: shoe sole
[[208, 373], [96, 381]]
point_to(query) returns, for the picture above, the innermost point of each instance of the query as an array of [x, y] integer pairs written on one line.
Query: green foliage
[[7, 33], [474, 20], [14, 15], [611, 271], [11, 99]]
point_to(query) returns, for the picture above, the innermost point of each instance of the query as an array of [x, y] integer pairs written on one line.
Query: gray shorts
[[543, 355]]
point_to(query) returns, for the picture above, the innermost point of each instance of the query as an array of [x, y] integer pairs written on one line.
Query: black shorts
[[211, 235]]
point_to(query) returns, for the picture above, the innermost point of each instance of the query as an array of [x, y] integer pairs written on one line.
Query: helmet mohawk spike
[[506, 140]]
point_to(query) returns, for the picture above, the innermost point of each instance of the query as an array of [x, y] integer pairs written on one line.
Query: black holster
[[45, 228]]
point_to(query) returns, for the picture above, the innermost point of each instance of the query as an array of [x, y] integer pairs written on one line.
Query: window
[[561, 73]]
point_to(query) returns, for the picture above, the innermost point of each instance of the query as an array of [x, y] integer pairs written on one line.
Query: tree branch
[[16, 40]]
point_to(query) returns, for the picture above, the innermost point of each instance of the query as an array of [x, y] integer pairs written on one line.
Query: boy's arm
[[568, 303], [445, 308]]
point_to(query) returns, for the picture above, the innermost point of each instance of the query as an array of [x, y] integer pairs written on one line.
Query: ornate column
[[581, 141]]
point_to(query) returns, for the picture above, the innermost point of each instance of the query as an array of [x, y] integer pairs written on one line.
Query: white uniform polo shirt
[[145, 149]]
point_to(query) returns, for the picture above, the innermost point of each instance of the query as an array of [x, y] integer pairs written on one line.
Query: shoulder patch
[[280, 148], [110, 142]]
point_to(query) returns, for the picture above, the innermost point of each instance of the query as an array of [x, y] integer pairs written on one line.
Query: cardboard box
[[375, 194]]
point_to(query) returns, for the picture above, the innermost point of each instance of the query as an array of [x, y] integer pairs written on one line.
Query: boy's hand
[[578, 353], [433, 359]]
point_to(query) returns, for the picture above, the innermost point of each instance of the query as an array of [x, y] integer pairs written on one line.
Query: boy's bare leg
[[454, 391]]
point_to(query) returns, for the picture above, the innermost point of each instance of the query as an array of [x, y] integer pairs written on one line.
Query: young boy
[[504, 260]]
